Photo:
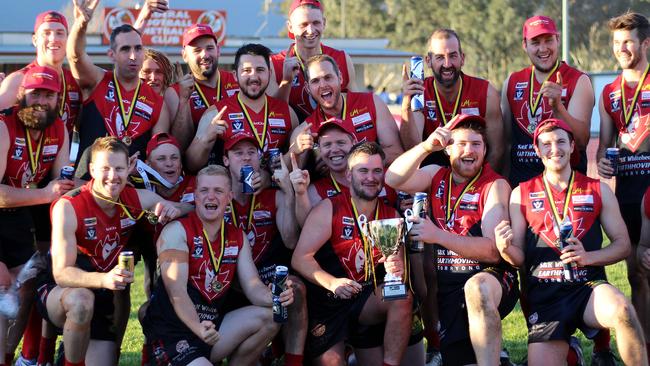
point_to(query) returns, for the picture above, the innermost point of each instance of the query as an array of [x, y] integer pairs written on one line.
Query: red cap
[[555, 122], [41, 77], [538, 25], [237, 138], [345, 126], [295, 4], [50, 16], [195, 31], [463, 118], [161, 139]]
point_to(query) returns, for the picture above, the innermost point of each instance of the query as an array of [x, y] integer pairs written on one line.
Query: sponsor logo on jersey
[[198, 247], [537, 206], [519, 94], [126, 222], [582, 199], [645, 95], [347, 220], [261, 215], [277, 122], [347, 232], [73, 96], [615, 104], [232, 92], [468, 197], [441, 189], [471, 111], [536, 195], [429, 104], [361, 118], [237, 126], [234, 116], [521, 85], [20, 141], [231, 251], [91, 232], [331, 193], [187, 197], [143, 107], [18, 152], [50, 149], [431, 113]]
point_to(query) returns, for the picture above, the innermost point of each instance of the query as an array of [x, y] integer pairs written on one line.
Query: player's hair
[[551, 127], [124, 28], [630, 21], [445, 33], [164, 64], [322, 58], [253, 49], [475, 126], [108, 144], [215, 170], [366, 148]]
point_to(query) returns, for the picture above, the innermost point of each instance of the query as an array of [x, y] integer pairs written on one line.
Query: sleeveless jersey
[[69, 104], [18, 169], [100, 238], [543, 265], [101, 116], [299, 97], [453, 269], [358, 111], [200, 101], [646, 203], [346, 240], [325, 188], [632, 140], [524, 162]]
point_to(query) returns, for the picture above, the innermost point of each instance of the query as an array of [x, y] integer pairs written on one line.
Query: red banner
[[165, 29]]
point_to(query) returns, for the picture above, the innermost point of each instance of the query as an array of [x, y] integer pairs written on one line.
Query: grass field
[[514, 326]]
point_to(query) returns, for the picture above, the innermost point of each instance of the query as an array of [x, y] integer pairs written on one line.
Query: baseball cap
[[464, 118], [50, 16], [229, 143], [539, 25], [295, 4], [41, 77], [160, 139], [195, 31], [345, 126], [556, 122]]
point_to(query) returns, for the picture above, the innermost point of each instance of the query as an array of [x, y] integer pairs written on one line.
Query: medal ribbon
[[260, 140], [197, 86], [34, 159], [302, 64], [439, 102], [63, 93], [216, 263], [124, 207], [126, 118], [534, 105], [251, 209], [335, 184], [450, 210], [367, 248], [551, 200], [345, 110], [627, 113]]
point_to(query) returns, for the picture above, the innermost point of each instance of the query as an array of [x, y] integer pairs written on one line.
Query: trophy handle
[[408, 213], [363, 224]]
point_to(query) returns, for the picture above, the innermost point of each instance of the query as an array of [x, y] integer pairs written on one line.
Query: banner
[[165, 29]]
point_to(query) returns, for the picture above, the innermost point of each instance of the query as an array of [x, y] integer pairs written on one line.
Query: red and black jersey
[[299, 97], [525, 163], [543, 264], [70, 101], [346, 241], [358, 111], [18, 169], [100, 238], [632, 139], [203, 96], [646, 203], [460, 212], [326, 188], [185, 190]]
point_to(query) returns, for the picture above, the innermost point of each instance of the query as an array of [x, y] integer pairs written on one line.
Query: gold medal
[[31, 185], [152, 218], [216, 285], [127, 140]]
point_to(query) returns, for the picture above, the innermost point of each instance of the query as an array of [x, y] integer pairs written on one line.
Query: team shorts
[[17, 236], [373, 335], [632, 216], [559, 319], [455, 343]]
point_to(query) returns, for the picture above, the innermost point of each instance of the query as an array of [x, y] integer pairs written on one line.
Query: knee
[[477, 294], [265, 323], [624, 313], [78, 304]]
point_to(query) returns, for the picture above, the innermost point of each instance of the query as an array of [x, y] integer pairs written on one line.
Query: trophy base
[[393, 291]]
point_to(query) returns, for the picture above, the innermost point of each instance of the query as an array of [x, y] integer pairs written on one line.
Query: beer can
[[126, 261], [417, 72], [280, 314], [246, 174], [613, 155], [67, 172], [274, 163], [565, 231], [420, 204]]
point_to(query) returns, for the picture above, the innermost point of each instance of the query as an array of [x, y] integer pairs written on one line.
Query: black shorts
[[17, 240], [102, 325], [372, 336], [180, 349], [42, 224], [632, 216], [454, 324], [558, 320]]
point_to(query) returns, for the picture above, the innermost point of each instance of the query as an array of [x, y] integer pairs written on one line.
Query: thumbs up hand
[[553, 90]]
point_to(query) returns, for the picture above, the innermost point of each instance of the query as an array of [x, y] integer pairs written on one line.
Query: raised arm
[[412, 126], [150, 7], [578, 113], [387, 132], [352, 74], [285, 201], [210, 128], [81, 65]]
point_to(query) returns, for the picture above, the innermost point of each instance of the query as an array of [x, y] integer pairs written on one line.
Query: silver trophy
[[387, 235]]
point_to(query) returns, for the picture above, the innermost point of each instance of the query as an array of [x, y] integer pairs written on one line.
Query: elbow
[[296, 263], [392, 179]]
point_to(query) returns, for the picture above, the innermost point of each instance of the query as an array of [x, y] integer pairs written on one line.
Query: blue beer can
[[417, 72], [246, 174], [280, 314], [67, 172], [613, 155]]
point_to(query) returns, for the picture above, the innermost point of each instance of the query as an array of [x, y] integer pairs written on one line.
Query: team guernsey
[[358, 111], [127, 115], [527, 112], [203, 96], [327, 187], [299, 97], [69, 104], [632, 137], [543, 264], [29, 160]]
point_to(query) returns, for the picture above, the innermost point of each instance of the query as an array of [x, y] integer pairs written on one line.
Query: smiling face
[[366, 175], [445, 59], [467, 152], [554, 147], [324, 84], [49, 40], [109, 171], [253, 76], [307, 25], [202, 56], [38, 108], [628, 49], [211, 196], [335, 145], [166, 160], [543, 51]]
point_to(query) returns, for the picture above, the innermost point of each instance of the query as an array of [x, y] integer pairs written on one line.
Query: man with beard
[[567, 288], [548, 89], [33, 147], [467, 200], [624, 123], [447, 93], [49, 38], [116, 103], [90, 227], [200, 255], [270, 120], [305, 25], [341, 266], [364, 112]]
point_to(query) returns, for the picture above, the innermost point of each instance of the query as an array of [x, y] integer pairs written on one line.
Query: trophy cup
[[387, 235]]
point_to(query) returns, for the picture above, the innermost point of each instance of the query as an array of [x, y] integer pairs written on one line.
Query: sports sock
[[601, 341], [572, 357], [433, 339], [292, 360], [68, 363], [32, 335], [46, 350]]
